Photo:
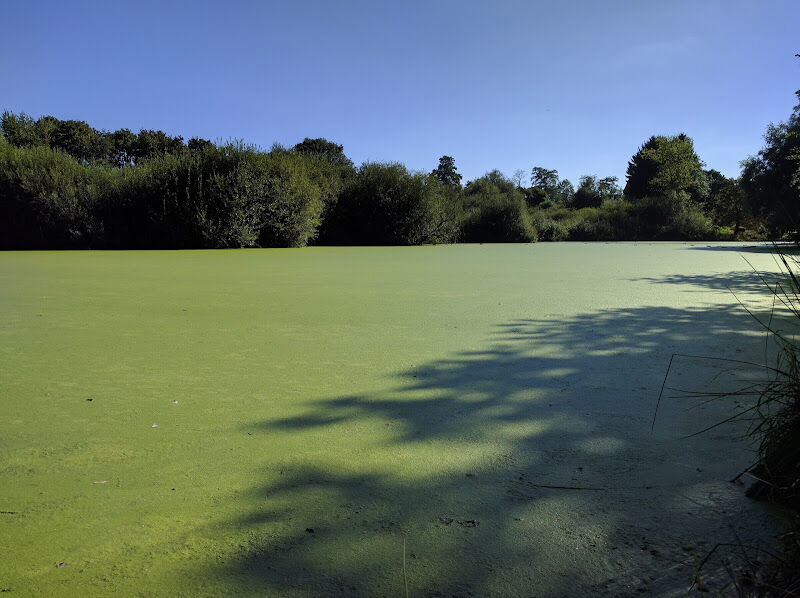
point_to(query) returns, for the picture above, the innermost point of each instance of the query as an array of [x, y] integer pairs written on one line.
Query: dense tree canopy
[[495, 211], [587, 195], [385, 204], [772, 178], [64, 183], [446, 173], [665, 164], [323, 148], [88, 145]]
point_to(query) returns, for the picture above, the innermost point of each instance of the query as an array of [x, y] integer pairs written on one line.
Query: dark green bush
[[384, 204], [495, 211], [499, 220], [47, 199], [229, 196], [546, 228]]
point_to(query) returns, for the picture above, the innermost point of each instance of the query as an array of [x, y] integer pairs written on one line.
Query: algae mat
[[430, 421]]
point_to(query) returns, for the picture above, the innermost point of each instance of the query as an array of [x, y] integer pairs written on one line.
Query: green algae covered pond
[[436, 421]]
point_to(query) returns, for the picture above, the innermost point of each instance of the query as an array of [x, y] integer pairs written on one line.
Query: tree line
[[65, 184]]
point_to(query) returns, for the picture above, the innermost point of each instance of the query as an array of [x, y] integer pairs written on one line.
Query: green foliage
[[727, 203], [330, 170], [772, 178], [547, 228], [123, 148], [47, 199], [666, 164], [664, 218], [688, 225], [88, 145], [588, 194], [565, 192], [501, 220], [322, 148], [150, 143], [197, 144], [536, 196], [544, 178], [544, 186], [66, 184], [292, 203], [232, 196], [384, 204], [609, 188], [19, 130], [592, 192], [446, 172], [495, 212]]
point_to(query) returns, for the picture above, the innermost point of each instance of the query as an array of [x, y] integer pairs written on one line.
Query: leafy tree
[[73, 137], [772, 178], [331, 170], [19, 130], [535, 196], [85, 143], [197, 144], [544, 178], [446, 172], [730, 206], [592, 191], [497, 178], [150, 143], [609, 188], [665, 164], [588, 194], [292, 203], [123, 148], [228, 196], [385, 204], [45, 130], [727, 202], [496, 212], [564, 192], [547, 183], [323, 148], [76, 138], [642, 168], [47, 199]]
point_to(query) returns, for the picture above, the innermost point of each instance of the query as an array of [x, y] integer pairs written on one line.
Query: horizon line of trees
[[64, 184]]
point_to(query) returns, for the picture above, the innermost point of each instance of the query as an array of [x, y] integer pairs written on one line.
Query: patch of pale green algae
[[285, 422]]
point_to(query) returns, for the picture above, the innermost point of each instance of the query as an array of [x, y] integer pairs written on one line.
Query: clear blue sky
[[571, 85]]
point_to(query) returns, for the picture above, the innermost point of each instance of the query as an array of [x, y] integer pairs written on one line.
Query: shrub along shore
[[64, 184]]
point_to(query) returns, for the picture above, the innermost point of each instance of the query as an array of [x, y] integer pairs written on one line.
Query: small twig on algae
[[592, 488]]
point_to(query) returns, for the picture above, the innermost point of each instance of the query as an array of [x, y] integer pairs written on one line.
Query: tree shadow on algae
[[528, 468]]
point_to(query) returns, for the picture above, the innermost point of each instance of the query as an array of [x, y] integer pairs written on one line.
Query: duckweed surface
[[441, 421]]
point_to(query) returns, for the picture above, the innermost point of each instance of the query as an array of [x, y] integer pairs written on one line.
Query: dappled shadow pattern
[[742, 281], [527, 468], [789, 248]]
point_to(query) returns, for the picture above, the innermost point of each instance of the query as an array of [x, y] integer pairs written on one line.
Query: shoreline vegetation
[[66, 185]]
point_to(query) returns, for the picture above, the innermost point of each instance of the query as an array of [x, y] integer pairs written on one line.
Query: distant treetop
[[323, 148], [446, 172]]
